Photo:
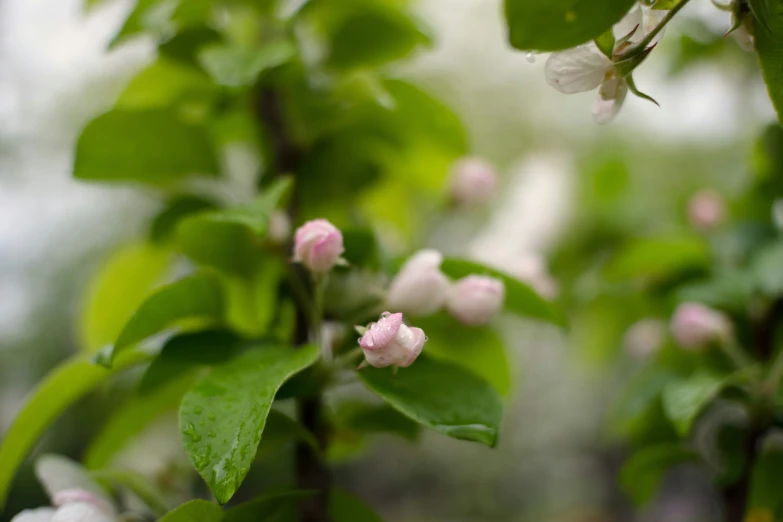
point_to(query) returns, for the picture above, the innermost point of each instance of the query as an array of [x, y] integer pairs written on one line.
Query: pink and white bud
[[420, 288], [473, 182], [706, 210], [474, 300], [644, 337], [318, 245], [279, 227], [695, 326], [532, 270], [391, 343]]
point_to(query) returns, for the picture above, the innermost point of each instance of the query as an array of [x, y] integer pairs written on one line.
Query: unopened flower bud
[[318, 245], [532, 270], [644, 337], [706, 210], [695, 326], [420, 288], [279, 227], [474, 300], [473, 182], [391, 343]]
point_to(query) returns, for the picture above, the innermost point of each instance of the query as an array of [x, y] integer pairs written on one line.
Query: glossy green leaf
[[63, 386], [131, 418], [222, 418], [165, 83], [769, 44], [195, 511], [274, 507], [186, 352], [643, 473], [372, 35], [130, 273], [194, 297], [345, 507], [149, 146], [684, 400], [441, 396], [137, 484], [520, 298], [241, 67], [552, 25], [478, 350], [658, 258]]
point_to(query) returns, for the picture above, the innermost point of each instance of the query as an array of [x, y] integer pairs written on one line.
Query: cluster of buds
[[421, 289]]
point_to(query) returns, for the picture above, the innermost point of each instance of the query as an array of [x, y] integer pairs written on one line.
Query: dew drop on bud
[[384, 315], [530, 57], [426, 338]]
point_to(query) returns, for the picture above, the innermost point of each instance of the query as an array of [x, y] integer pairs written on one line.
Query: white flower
[[74, 494], [585, 67]]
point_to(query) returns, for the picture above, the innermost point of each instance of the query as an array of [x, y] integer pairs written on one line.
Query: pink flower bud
[[420, 288], [279, 227], [706, 210], [644, 337], [318, 245], [391, 343], [694, 326], [475, 299], [473, 181]]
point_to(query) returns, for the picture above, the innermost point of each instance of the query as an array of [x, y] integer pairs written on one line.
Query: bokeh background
[[565, 182]]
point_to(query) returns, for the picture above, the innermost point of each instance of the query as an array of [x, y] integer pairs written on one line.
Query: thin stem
[[649, 37]]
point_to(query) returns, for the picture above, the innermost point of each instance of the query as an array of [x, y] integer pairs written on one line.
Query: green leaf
[[194, 297], [642, 474], [131, 418], [478, 350], [275, 507], [552, 25], [137, 484], [229, 239], [164, 226], [345, 507], [441, 396], [195, 511], [63, 386], [122, 284], [151, 16], [684, 400], [186, 352], [729, 290], [164, 83], [520, 298], [658, 258], [185, 45], [222, 418], [372, 35], [638, 398], [362, 418], [767, 268], [151, 146], [241, 67], [769, 44]]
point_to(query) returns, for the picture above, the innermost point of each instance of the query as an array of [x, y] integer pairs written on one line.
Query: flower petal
[[34, 515], [382, 333], [57, 473], [610, 100], [579, 69]]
